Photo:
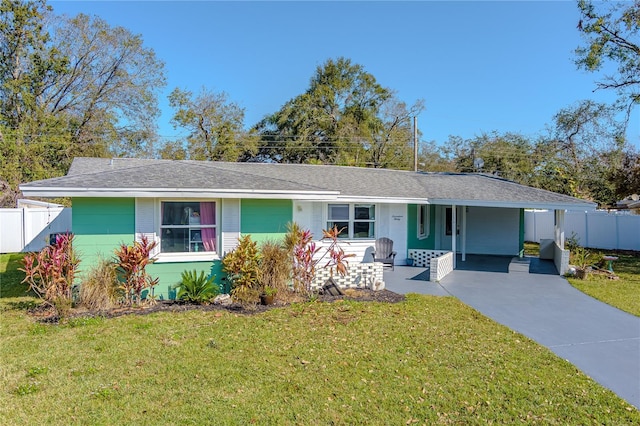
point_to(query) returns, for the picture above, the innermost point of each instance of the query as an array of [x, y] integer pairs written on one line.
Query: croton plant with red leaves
[[50, 273], [131, 262]]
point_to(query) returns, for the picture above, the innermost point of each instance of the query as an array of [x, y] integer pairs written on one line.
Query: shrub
[[242, 266], [299, 242], [582, 257], [269, 291], [131, 264], [337, 256], [275, 267], [572, 242], [100, 289], [304, 258], [293, 236], [197, 288], [50, 273]]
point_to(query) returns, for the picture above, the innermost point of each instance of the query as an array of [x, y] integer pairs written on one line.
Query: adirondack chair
[[384, 252]]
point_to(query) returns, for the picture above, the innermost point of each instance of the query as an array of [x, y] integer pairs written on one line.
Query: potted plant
[[268, 294], [582, 259]]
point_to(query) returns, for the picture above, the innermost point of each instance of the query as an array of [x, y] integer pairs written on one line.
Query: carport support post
[[454, 232], [558, 228], [464, 233]]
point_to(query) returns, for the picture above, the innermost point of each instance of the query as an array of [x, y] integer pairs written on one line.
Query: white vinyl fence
[[28, 228], [596, 229]]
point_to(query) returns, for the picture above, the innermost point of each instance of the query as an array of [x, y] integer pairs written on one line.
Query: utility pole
[[415, 144]]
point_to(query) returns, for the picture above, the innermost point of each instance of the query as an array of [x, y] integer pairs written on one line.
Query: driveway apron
[[600, 340]]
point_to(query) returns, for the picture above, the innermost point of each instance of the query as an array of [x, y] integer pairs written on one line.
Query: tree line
[[76, 86]]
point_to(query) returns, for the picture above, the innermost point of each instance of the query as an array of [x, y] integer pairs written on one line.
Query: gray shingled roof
[[105, 176], [165, 174]]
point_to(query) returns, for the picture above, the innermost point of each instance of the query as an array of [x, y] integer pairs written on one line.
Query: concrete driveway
[[600, 340]]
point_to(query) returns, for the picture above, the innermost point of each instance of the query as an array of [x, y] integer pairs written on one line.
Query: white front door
[[394, 226]]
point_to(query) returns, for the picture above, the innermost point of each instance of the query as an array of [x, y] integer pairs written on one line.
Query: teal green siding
[[413, 242], [100, 225], [265, 219], [169, 275]]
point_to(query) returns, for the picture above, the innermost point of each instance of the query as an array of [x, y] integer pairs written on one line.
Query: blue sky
[[479, 66]]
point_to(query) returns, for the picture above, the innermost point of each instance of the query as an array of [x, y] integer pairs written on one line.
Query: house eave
[[381, 200], [586, 206], [53, 192]]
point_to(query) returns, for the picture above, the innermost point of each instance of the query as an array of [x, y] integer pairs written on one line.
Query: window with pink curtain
[[208, 217], [188, 226]]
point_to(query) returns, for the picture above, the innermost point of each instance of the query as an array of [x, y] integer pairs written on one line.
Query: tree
[[110, 86], [344, 117], [214, 123], [627, 178], [581, 156], [27, 60], [69, 87], [508, 155], [584, 146], [30, 138], [611, 32], [434, 158], [389, 138], [172, 150]]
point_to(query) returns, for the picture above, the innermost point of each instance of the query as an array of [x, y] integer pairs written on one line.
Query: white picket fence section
[[596, 229], [26, 229]]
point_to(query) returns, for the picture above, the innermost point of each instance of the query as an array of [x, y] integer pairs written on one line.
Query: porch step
[[519, 264]]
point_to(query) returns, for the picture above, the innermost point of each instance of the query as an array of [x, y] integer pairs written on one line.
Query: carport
[[458, 216]]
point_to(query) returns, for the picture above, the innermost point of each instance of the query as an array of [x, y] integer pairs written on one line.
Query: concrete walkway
[[600, 340]]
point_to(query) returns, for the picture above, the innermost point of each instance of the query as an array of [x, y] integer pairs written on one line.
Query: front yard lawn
[[623, 293], [10, 277], [428, 360]]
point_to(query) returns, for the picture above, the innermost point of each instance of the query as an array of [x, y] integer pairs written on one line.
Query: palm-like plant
[[197, 288]]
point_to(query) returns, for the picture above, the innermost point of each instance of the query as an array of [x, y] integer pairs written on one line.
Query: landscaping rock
[[222, 300]]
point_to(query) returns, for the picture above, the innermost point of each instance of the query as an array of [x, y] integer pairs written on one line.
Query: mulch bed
[[45, 314]]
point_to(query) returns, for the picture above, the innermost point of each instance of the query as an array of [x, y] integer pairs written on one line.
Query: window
[[357, 220], [339, 216], [423, 221], [448, 219], [188, 226]]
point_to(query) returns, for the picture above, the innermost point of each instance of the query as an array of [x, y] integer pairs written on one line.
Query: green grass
[[10, 277], [429, 360], [623, 293]]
